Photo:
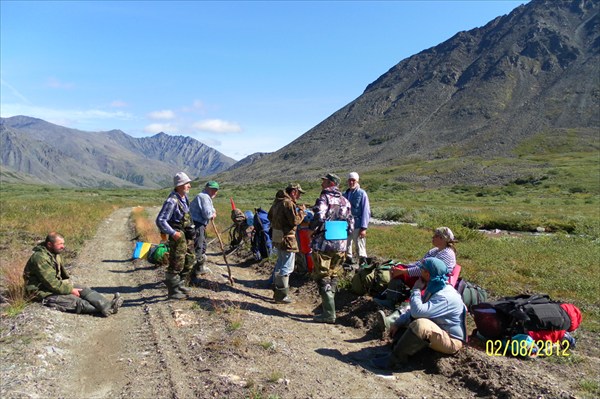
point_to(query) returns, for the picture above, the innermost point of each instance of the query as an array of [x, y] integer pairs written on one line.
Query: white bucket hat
[[180, 179]]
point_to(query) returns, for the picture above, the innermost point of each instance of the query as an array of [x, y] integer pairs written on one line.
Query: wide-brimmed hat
[[180, 179], [332, 177]]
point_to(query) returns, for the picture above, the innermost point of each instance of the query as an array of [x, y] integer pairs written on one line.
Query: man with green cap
[[331, 225], [175, 221], [203, 212]]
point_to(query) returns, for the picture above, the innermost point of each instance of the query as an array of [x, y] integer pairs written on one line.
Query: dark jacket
[[285, 217]]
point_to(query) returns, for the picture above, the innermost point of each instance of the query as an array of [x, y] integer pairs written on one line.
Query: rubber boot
[[362, 261], [200, 267], [102, 305], [84, 307], [281, 289], [183, 281], [116, 303], [328, 315], [172, 283], [407, 345], [385, 322]]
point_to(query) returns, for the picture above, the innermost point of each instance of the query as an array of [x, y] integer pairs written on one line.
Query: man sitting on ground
[[47, 280]]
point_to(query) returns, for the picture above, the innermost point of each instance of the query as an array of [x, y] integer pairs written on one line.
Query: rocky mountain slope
[[36, 150], [530, 75]]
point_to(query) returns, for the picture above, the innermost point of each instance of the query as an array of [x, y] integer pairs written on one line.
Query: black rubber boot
[[116, 303], [84, 307], [172, 282], [407, 345], [98, 301], [183, 281]]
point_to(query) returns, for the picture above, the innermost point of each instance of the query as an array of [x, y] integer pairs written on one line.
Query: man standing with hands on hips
[[361, 211]]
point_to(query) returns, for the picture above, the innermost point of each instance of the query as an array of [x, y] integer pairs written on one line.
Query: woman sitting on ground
[[436, 318], [444, 249]]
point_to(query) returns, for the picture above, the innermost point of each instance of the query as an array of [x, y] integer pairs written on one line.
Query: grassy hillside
[[559, 193]]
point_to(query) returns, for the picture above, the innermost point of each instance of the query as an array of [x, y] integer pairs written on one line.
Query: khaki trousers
[[439, 340]]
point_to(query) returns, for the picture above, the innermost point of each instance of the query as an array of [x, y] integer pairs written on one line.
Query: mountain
[[529, 76], [32, 150]]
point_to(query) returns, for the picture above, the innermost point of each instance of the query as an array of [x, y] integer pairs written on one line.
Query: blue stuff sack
[[336, 230]]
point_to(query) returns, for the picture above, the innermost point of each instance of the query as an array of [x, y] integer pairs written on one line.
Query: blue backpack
[[262, 246]]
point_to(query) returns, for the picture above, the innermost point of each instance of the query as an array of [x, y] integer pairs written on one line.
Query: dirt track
[[223, 342]]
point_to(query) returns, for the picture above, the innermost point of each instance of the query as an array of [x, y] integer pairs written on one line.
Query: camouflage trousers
[[181, 255], [327, 265]]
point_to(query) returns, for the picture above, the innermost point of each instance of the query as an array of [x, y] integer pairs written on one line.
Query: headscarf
[[445, 233], [438, 275]]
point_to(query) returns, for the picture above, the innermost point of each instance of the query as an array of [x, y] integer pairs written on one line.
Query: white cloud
[[165, 114], [118, 104], [197, 107], [217, 126], [57, 84], [159, 127]]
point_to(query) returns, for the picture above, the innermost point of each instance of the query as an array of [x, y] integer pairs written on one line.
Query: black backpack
[[509, 316]]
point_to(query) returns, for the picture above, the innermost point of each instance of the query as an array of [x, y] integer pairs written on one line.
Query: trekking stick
[[222, 249]]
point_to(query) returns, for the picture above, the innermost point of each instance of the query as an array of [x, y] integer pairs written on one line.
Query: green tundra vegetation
[[560, 197]]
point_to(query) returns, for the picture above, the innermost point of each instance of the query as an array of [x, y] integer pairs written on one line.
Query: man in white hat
[[175, 221], [361, 210]]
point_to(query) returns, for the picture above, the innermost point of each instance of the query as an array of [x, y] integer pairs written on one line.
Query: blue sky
[[239, 76]]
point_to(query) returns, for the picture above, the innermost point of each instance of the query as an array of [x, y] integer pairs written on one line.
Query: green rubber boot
[[281, 289], [328, 305]]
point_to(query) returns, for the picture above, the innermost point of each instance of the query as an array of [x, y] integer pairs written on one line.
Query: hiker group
[[426, 300]]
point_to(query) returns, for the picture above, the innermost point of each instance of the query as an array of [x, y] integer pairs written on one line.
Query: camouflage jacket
[[285, 217], [45, 275], [330, 205]]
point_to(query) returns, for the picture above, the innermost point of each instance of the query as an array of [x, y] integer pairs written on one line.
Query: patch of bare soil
[[235, 342]]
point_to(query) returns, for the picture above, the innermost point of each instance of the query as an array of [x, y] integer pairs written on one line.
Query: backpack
[[471, 293], [261, 243], [372, 278], [158, 254], [509, 316]]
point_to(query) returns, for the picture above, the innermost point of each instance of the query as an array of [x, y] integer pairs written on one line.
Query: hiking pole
[[222, 249]]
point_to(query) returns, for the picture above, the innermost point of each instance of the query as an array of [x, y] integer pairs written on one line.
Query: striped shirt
[[446, 255]]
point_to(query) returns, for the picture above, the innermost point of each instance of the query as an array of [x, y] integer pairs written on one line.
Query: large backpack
[[158, 254], [509, 316], [262, 245], [372, 278], [471, 293]]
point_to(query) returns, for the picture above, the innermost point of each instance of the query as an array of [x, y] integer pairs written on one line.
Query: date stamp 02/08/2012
[[522, 348]]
